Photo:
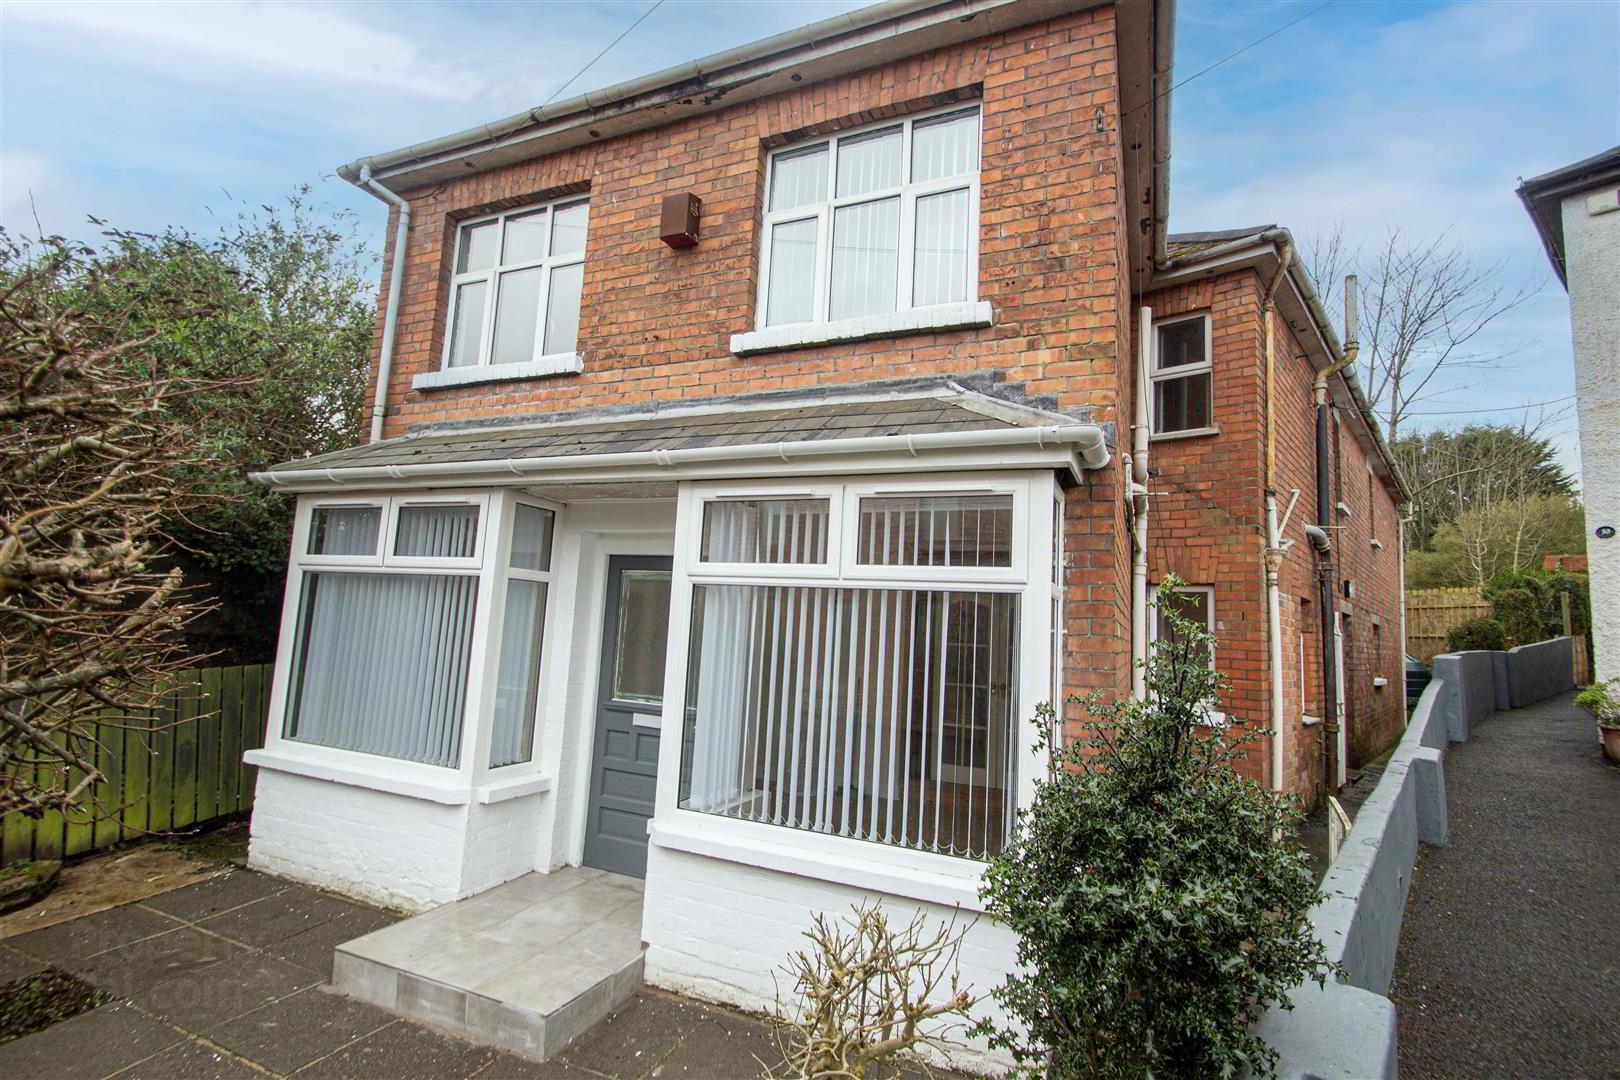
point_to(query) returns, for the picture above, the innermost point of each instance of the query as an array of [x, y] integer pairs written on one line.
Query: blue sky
[[1376, 115]]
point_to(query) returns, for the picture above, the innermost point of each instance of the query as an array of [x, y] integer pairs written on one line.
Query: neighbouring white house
[[1576, 210]]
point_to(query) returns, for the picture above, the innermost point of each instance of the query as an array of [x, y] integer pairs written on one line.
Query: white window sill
[[958, 887], [1190, 433], [561, 364], [965, 315], [450, 793]]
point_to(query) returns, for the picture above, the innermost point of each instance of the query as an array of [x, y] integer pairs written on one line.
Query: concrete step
[[528, 966]]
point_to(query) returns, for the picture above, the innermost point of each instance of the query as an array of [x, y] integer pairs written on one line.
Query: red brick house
[[733, 544]]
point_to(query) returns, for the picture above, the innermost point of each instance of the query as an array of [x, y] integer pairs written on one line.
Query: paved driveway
[[223, 980], [1509, 962]]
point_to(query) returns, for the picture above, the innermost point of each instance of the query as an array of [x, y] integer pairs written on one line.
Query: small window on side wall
[[1196, 604], [1183, 382]]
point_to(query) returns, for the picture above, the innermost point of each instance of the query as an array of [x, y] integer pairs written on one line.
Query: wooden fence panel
[[178, 766], [1430, 613]]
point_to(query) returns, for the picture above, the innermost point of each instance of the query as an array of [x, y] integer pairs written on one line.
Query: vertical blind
[[382, 663], [344, 530], [938, 530], [878, 714], [765, 531], [517, 680], [448, 531]]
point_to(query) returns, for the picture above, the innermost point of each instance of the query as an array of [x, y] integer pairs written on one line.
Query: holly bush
[[1159, 898]]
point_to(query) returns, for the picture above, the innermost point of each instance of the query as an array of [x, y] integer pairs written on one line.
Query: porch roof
[[769, 435]]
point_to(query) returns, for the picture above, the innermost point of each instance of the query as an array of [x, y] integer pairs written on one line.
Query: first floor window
[[515, 292], [1183, 390], [879, 220]]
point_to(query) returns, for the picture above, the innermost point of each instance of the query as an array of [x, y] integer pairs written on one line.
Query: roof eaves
[[1543, 197]]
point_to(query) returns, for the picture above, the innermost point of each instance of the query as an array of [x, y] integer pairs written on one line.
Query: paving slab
[[141, 964], [314, 947], [203, 999], [15, 965], [722, 1047], [636, 1037], [87, 1047], [218, 894], [191, 1061], [401, 1051], [85, 937], [296, 1030], [275, 918]]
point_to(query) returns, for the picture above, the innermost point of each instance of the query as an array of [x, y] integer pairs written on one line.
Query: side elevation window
[[879, 220], [514, 297], [1183, 391]]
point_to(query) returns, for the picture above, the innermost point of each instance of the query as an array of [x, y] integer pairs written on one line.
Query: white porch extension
[[528, 966]]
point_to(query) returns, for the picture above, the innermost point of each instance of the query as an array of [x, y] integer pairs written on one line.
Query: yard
[[170, 961]]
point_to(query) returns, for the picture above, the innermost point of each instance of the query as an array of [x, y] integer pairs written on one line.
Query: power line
[[1504, 408], [625, 33], [1233, 56]]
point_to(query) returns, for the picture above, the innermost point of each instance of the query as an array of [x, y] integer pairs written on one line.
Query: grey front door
[[624, 761]]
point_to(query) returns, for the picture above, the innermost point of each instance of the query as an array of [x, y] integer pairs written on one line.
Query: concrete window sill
[[449, 793], [962, 316], [561, 364]]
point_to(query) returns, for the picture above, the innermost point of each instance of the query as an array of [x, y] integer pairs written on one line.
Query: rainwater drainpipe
[[1332, 723], [1137, 483], [396, 272], [1275, 550]]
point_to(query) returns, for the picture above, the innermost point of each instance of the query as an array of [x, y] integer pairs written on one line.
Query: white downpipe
[[396, 272], [1138, 483], [1274, 639]]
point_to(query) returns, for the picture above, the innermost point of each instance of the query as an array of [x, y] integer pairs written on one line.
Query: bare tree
[[866, 992], [1425, 308], [91, 455]]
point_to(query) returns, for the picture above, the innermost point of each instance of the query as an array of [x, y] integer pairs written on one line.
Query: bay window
[[386, 658], [879, 220], [855, 665]]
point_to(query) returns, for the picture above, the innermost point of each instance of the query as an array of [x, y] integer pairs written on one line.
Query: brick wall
[[655, 323], [1208, 527]]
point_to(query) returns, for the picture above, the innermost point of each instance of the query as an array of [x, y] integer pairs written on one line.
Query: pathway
[[1509, 962]]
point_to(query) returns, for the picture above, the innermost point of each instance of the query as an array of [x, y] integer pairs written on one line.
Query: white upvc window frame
[[540, 362], [1157, 375], [824, 212], [734, 572], [472, 779], [855, 570], [905, 871]]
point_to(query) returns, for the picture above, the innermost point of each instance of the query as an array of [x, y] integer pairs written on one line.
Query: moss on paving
[[35, 1002]]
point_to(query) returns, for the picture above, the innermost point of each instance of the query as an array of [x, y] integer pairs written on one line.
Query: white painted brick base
[[388, 849], [721, 931]]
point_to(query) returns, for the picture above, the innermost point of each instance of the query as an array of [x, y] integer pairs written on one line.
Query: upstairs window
[[1183, 390], [879, 220], [514, 296]]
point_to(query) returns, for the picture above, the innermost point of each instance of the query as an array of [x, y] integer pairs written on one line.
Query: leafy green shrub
[[1482, 633], [1159, 902], [1521, 612], [1602, 700]]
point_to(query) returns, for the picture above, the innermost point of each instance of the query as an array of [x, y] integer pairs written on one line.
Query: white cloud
[[307, 40]]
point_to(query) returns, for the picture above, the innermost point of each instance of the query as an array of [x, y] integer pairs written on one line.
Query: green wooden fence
[[177, 767]]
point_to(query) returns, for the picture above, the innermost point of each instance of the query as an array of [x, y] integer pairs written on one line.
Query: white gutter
[[1138, 490], [396, 272], [1086, 439]]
